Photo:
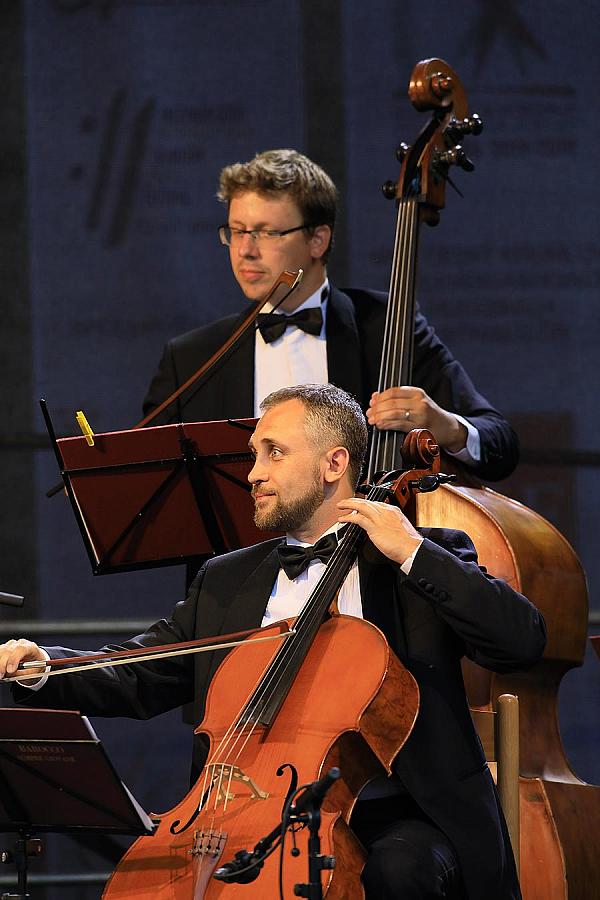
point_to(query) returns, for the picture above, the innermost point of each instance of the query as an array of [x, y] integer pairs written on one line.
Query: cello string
[[277, 669], [270, 681], [316, 605], [396, 362]]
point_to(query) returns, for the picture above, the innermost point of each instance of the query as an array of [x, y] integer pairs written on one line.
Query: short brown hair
[[332, 417], [289, 172]]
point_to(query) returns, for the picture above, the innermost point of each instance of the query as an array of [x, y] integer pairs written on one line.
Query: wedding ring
[[406, 414]]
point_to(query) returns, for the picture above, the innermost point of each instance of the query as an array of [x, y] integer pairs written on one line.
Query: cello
[[278, 718], [560, 814]]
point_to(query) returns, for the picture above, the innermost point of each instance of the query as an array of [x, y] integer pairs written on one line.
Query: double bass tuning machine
[[454, 155]]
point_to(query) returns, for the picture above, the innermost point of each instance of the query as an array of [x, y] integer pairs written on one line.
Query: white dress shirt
[[289, 596], [294, 358]]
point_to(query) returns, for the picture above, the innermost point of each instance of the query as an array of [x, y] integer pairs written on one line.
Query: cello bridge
[[223, 776]]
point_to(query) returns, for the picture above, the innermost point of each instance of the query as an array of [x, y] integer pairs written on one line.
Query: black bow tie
[[294, 559], [272, 325]]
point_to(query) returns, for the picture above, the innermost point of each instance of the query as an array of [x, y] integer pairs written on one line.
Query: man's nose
[[248, 246], [256, 473]]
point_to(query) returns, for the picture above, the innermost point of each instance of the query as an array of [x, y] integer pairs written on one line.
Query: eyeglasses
[[232, 236]]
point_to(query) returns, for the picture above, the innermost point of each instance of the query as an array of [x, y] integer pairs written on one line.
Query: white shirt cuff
[[36, 685], [407, 564], [471, 453]]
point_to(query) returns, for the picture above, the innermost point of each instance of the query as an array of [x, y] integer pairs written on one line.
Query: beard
[[289, 515]]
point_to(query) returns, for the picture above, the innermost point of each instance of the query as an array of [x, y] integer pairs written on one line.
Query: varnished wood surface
[[560, 814], [333, 711]]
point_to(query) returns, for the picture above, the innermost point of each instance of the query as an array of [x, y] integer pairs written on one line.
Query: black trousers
[[409, 858]]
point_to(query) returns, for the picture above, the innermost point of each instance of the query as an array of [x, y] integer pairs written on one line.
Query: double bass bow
[[560, 814], [289, 280]]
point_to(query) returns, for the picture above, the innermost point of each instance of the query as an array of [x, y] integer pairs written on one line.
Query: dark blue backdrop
[[133, 106]]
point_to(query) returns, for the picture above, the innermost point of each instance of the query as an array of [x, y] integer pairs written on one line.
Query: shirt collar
[[296, 543]]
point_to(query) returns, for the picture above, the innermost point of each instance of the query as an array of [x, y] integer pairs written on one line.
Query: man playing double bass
[[434, 829], [281, 214]]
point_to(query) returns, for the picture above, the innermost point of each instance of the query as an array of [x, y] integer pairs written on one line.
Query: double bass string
[[403, 317], [397, 342], [386, 356]]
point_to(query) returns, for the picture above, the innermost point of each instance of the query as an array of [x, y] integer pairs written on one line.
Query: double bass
[[560, 814]]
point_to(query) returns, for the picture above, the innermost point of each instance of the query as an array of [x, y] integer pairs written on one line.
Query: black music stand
[[159, 496], [56, 777]]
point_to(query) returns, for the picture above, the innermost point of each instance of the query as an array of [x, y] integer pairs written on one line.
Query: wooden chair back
[[499, 734]]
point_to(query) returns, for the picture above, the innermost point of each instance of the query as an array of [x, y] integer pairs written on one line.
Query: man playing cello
[[434, 828]]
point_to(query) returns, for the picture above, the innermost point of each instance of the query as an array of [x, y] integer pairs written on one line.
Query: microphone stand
[[307, 810]]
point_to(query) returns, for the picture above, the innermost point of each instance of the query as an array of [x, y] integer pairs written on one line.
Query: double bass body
[[560, 814]]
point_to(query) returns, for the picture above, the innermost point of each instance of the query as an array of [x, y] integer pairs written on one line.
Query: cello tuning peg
[[401, 151], [389, 190]]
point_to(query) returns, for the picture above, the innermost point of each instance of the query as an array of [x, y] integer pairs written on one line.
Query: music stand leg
[[26, 846]]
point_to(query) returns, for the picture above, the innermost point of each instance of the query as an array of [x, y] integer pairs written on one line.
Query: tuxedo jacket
[[354, 332], [445, 608]]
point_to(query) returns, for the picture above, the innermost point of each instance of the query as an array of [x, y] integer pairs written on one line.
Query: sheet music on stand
[[55, 777], [159, 496]]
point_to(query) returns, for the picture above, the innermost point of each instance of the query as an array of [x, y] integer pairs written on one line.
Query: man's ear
[[337, 461], [320, 240]]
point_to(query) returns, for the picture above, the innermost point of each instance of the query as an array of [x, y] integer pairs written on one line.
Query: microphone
[[245, 866], [11, 600], [312, 797]]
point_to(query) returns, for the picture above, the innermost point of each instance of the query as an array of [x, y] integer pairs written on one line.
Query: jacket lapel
[[343, 346], [248, 606]]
